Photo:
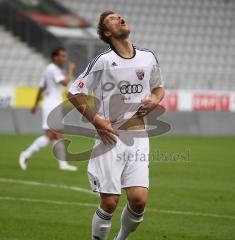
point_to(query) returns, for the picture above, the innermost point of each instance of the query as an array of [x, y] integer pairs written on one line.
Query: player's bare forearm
[[39, 96], [102, 126], [80, 103], [69, 75], [37, 100], [150, 103], [157, 95]]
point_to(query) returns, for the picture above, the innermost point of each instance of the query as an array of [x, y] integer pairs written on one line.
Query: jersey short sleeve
[[89, 79], [156, 76], [57, 74]]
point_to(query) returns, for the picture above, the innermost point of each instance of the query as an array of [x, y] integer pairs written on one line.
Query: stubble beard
[[124, 35]]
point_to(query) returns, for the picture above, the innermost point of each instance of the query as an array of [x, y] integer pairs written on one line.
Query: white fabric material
[[46, 110], [124, 165], [129, 222], [60, 152], [39, 143], [50, 81], [129, 80], [101, 227]]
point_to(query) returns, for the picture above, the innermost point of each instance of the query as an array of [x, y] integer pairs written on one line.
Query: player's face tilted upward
[[117, 27]]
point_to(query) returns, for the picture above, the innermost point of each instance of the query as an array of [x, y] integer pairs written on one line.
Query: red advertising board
[[210, 102], [170, 101]]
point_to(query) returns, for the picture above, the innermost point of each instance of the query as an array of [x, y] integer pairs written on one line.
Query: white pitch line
[[82, 204], [52, 185], [213, 215], [34, 200]]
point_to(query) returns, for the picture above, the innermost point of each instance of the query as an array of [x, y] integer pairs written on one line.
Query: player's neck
[[58, 65], [123, 48]]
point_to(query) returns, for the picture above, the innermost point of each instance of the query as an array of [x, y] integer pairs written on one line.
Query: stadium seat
[[193, 39], [19, 64]]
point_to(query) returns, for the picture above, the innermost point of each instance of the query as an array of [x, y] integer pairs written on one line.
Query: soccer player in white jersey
[[134, 74], [51, 84]]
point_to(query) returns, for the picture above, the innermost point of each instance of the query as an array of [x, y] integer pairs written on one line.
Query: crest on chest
[[140, 74]]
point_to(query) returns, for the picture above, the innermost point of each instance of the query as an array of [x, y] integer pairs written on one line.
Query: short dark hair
[[101, 27], [55, 52]]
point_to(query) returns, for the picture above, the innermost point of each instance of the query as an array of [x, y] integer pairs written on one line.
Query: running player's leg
[[60, 151], [102, 219], [133, 212], [42, 142], [38, 143]]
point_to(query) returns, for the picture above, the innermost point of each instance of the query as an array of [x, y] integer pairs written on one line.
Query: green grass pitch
[[192, 194]]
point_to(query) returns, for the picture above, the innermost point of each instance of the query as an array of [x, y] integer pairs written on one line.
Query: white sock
[[60, 152], [39, 143], [129, 222], [101, 225]]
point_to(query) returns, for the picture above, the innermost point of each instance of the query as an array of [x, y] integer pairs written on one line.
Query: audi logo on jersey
[[131, 88]]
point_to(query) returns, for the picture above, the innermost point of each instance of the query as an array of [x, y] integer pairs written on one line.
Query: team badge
[[81, 84], [140, 74]]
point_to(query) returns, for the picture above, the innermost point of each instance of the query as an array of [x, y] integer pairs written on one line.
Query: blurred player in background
[[134, 75], [51, 85]]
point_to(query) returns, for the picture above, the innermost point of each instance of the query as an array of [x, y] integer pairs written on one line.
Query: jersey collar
[[114, 49]]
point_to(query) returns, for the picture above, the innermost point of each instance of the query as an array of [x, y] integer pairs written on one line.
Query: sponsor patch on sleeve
[[81, 84]]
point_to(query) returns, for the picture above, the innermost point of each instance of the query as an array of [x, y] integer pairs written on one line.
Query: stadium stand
[[194, 40], [20, 65]]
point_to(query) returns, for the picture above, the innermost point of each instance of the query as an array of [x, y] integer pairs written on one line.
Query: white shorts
[[123, 165], [46, 110]]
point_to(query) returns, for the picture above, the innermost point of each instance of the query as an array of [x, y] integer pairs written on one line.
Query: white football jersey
[[50, 81], [119, 84]]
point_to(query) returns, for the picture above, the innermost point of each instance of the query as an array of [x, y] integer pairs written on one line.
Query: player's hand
[[34, 109], [149, 104], [71, 67], [105, 130]]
